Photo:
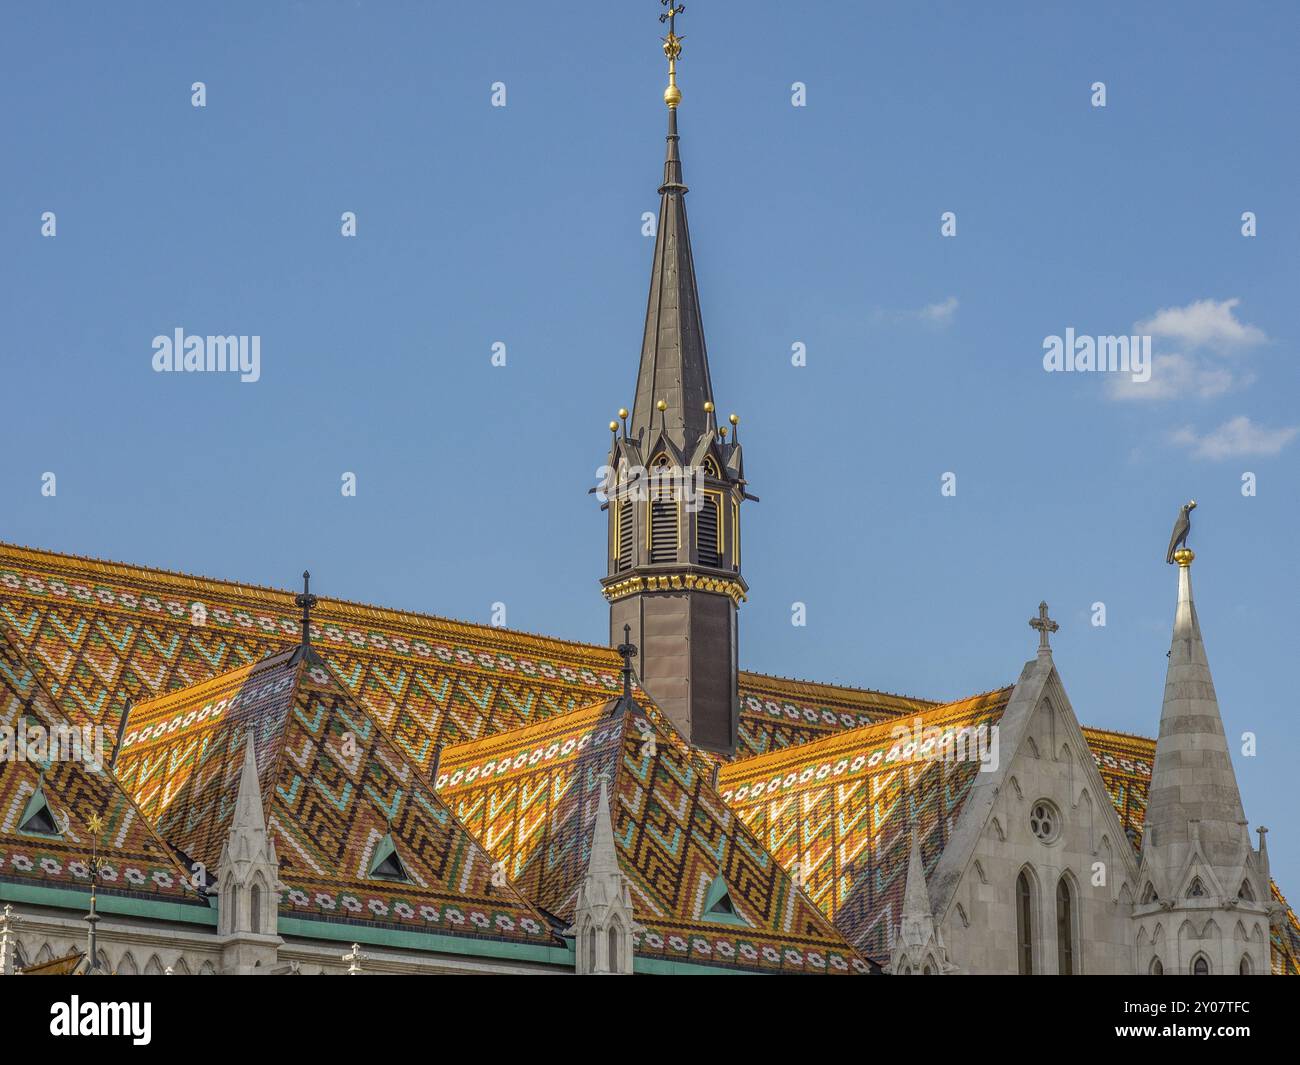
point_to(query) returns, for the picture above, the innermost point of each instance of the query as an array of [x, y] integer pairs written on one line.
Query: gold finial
[[1184, 556], [661, 406], [722, 432], [734, 419], [95, 823], [708, 407], [672, 49], [622, 412], [613, 427]]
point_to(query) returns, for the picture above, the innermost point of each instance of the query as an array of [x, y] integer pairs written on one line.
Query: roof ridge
[[325, 600], [1117, 732], [745, 766], [837, 687], [488, 633]]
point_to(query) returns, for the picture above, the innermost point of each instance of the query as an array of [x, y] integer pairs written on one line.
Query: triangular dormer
[[386, 864], [38, 816]]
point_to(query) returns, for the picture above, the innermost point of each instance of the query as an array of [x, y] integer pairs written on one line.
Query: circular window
[[1044, 821]]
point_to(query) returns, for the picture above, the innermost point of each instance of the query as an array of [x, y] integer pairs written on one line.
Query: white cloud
[[1177, 377], [941, 312], [1237, 438], [1204, 323]]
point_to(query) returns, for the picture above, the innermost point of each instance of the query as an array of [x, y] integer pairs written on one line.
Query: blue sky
[[816, 224]]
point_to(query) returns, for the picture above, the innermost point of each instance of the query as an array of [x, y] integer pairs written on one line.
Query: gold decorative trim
[[676, 582]]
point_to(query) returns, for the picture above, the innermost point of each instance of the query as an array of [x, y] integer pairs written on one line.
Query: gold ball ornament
[[622, 412], [734, 419], [613, 427], [661, 406], [708, 406]]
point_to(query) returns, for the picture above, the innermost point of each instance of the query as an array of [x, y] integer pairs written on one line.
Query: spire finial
[[306, 600], [95, 824], [627, 649], [672, 49], [1045, 626]]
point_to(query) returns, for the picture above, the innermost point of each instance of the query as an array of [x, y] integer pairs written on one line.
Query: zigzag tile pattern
[[531, 796], [333, 785], [105, 632], [137, 861]]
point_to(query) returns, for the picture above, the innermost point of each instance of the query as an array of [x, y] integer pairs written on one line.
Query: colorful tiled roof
[[531, 796], [137, 862], [334, 788], [107, 631], [838, 812], [1286, 940]]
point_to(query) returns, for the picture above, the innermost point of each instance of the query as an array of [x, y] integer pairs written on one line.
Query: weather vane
[[672, 49]]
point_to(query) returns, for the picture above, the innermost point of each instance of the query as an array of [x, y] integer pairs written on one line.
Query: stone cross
[[1045, 626], [355, 959], [306, 600]]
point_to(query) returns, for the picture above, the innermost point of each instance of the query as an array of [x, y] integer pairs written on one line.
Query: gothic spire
[[1194, 802], [674, 362]]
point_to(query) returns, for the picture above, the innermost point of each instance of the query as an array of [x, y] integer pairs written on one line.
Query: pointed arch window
[[708, 530], [1064, 927], [665, 523], [615, 948], [1157, 967], [1246, 892], [1197, 890], [591, 949], [1149, 894], [1201, 966], [1025, 924], [255, 909], [1244, 969], [623, 534]]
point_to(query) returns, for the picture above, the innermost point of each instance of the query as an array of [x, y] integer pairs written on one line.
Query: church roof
[[339, 797], [137, 862], [532, 796], [108, 631], [841, 810], [96, 633]]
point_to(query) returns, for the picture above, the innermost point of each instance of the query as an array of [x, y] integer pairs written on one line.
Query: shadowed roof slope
[[339, 799], [838, 812], [532, 796]]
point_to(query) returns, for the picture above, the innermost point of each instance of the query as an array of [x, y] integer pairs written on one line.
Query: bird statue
[[1181, 528]]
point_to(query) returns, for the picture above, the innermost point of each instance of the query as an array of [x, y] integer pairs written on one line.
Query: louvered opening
[[623, 534], [663, 529], [706, 533]]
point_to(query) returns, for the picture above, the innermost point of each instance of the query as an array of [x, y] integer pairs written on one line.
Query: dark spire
[[674, 362]]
